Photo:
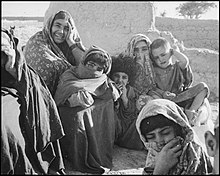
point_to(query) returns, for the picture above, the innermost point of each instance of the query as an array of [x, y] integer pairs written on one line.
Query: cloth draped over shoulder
[[39, 119], [144, 78], [46, 57], [78, 78], [193, 159]]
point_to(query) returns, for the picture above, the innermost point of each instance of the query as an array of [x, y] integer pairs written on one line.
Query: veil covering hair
[[193, 159], [49, 59], [47, 31]]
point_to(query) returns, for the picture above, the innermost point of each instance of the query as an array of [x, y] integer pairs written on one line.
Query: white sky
[[38, 8]]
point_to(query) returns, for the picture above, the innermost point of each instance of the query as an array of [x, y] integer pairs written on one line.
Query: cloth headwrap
[[136, 38], [193, 159], [158, 121], [62, 15], [47, 31], [97, 50]]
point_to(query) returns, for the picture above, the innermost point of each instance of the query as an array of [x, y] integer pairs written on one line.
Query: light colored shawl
[[144, 80], [193, 159]]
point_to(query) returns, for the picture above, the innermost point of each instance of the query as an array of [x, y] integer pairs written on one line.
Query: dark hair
[[123, 64], [98, 58], [158, 121]]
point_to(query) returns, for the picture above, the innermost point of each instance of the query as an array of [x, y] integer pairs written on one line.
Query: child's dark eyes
[[124, 77]]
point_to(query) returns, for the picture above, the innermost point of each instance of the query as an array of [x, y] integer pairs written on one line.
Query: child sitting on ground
[[174, 80], [123, 70], [80, 85]]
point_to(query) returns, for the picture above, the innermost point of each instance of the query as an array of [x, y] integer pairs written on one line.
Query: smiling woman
[[54, 49]]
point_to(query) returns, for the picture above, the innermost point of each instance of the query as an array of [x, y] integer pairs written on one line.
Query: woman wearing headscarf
[[79, 85], [54, 49], [143, 80], [30, 143], [173, 146]]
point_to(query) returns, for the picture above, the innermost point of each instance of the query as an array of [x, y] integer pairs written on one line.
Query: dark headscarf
[[148, 124]]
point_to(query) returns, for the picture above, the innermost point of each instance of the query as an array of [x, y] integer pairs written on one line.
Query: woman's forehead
[[63, 22], [141, 43]]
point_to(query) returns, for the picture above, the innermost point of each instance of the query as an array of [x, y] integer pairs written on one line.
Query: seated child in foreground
[[173, 147], [123, 70], [80, 85], [174, 80]]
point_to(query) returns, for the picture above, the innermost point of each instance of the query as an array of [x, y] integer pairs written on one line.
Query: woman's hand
[[168, 157], [71, 36]]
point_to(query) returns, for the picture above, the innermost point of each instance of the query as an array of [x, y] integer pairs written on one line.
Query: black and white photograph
[[110, 88]]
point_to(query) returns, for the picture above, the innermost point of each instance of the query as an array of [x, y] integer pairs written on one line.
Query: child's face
[[95, 69], [120, 78], [141, 48], [162, 56], [161, 136]]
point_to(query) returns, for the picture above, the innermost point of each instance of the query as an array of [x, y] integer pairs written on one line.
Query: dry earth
[[131, 162], [125, 161]]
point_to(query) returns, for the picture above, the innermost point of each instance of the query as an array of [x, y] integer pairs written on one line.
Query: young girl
[[174, 80], [173, 147]]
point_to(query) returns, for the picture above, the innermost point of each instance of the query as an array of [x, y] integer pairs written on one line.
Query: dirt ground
[[131, 162]]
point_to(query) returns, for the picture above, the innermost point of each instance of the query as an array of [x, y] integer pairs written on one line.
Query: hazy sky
[[38, 8]]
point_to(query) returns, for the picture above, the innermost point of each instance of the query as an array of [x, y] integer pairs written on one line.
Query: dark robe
[[39, 120]]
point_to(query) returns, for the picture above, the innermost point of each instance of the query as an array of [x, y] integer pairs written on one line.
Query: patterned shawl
[[193, 159], [46, 57], [144, 79]]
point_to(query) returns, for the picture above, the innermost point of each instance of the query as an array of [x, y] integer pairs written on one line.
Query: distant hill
[[40, 19]]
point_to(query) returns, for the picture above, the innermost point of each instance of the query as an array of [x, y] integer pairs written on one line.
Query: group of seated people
[[74, 103]]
